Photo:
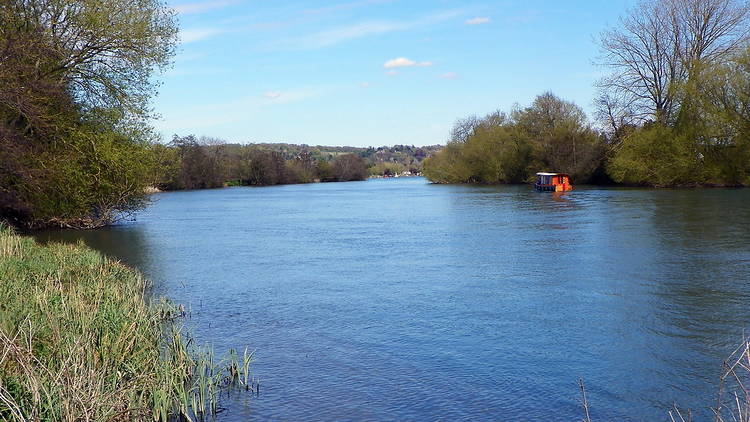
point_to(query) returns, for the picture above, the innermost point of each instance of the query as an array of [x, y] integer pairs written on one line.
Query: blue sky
[[372, 72]]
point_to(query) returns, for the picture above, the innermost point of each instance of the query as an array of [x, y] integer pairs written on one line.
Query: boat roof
[[551, 174]]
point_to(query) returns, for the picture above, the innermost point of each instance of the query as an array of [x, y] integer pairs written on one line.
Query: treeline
[[199, 163], [674, 110], [191, 163]]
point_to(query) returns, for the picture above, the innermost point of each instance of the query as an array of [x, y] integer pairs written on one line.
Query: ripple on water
[[401, 300]]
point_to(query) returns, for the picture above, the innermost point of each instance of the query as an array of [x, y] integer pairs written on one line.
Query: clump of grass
[[79, 341]]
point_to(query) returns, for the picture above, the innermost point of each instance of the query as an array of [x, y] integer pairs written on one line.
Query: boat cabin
[[553, 182]]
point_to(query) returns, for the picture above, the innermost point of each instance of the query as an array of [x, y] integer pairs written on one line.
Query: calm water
[[401, 300]]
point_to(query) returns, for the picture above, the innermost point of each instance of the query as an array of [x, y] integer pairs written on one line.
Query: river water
[[401, 300]]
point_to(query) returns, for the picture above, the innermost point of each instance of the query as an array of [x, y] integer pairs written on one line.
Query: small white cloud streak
[[232, 111], [449, 75], [272, 95], [478, 21], [392, 72], [202, 6], [339, 35], [404, 62], [196, 34], [364, 85], [398, 62]]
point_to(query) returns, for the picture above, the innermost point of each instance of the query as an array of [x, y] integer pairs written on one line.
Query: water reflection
[[127, 242]]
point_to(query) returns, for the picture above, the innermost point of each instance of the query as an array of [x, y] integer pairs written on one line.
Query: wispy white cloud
[[478, 21], [399, 62], [449, 75], [404, 62], [364, 85], [392, 72], [346, 33], [290, 96], [196, 34], [196, 118], [344, 6], [202, 6]]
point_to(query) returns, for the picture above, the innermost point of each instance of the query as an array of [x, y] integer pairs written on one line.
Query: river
[[397, 299]]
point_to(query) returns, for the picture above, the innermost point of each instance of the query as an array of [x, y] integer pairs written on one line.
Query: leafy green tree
[[386, 169], [75, 79], [656, 155], [324, 171]]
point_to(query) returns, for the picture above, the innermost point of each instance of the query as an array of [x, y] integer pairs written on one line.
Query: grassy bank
[[79, 341]]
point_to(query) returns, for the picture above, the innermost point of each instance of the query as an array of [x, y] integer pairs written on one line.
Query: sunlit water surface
[[402, 300]]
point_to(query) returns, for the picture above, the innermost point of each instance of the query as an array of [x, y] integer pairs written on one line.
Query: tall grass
[[79, 341]]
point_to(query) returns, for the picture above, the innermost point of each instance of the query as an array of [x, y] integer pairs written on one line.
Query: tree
[[75, 79], [561, 137], [641, 159], [550, 134], [261, 168], [668, 102], [464, 128], [644, 59], [660, 46], [200, 164], [349, 167]]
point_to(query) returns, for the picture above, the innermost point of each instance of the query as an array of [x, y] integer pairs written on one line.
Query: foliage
[[189, 164], [656, 155], [385, 168], [349, 167], [551, 134], [75, 77]]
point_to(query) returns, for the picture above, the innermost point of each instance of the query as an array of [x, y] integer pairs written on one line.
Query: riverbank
[[81, 340]]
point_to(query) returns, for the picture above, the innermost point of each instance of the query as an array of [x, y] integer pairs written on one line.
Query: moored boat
[[552, 182]]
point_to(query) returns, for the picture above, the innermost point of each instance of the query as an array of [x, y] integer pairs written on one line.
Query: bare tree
[[708, 31], [644, 60], [464, 128], [660, 45], [615, 112]]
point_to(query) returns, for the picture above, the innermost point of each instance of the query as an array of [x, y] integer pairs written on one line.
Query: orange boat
[[552, 182]]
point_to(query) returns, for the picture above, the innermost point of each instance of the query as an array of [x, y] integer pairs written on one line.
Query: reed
[[81, 340], [732, 397]]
